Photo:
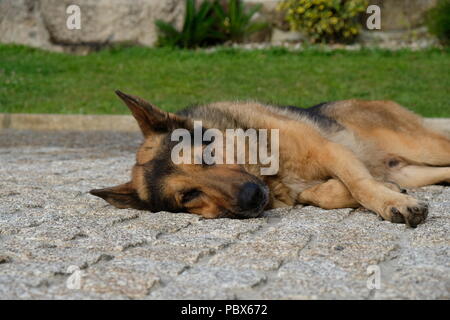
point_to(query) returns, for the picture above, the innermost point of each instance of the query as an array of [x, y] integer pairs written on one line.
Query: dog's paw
[[408, 210]]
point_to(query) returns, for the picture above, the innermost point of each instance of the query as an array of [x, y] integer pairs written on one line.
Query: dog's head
[[158, 184]]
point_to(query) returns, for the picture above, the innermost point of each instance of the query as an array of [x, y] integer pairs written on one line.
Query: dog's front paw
[[408, 210]]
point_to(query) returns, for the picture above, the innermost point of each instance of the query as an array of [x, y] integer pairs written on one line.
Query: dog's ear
[[122, 196], [150, 118]]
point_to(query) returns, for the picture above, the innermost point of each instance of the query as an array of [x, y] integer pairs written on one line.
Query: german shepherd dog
[[343, 154]]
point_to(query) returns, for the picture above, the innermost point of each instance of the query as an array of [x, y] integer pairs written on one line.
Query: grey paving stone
[[415, 283], [49, 224], [170, 254], [132, 278], [209, 283], [316, 278]]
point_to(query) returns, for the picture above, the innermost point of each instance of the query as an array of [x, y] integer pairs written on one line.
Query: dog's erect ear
[[150, 118], [122, 196]]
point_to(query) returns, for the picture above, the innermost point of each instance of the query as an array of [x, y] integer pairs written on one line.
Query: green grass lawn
[[36, 81]]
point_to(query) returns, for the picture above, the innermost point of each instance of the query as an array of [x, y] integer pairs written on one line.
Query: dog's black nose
[[251, 196]]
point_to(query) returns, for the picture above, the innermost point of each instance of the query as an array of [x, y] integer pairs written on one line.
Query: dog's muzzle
[[252, 199]]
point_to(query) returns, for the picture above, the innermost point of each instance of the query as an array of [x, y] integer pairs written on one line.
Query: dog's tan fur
[[356, 157]]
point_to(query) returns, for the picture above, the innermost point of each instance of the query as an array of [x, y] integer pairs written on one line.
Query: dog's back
[[366, 128], [246, 114]]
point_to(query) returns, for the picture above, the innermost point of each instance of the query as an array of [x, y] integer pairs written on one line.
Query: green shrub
[[234, 21], [438, 21], [211, 24], [325, 20], [198, 28]]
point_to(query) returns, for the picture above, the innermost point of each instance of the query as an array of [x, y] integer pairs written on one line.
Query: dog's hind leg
[[427, 148], [411, 176], [394, 129]]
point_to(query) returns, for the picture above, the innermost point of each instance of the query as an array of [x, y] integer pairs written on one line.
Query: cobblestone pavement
[[50, 226]]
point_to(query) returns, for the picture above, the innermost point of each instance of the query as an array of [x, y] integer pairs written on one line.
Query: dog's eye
[[190, 195]]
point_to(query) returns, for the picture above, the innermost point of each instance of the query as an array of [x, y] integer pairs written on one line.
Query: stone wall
[[42, 23], [402, 14], [402, 24]]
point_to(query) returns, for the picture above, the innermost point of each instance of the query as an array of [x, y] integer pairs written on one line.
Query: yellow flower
[[320, 17]]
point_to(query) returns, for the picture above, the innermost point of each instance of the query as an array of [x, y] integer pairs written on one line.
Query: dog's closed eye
[[190, 195]]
